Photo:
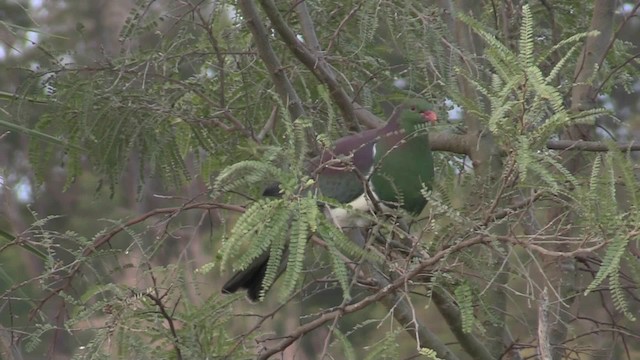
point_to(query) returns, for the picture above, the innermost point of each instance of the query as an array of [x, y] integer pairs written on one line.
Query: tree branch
[[595, 48], [583, 96], [283, 86], [454, 143], [316, 64], [451, 315], [487, 159], [399, 304], [595, 146], [162, 308], [462, 144], [319, 67], [401, 281], [404, 314], [615, 70], [308, 29], [268, 125]]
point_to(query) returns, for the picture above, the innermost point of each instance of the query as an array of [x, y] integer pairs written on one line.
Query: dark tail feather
[[249, 279], [252, 278], [272, 190]]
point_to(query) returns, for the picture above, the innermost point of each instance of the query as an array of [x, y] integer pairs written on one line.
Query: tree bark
[[582, 98]]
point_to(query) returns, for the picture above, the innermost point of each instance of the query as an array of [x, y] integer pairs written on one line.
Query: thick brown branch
[[454, 143], [595, 48], [318, 66], [452, 316], [366, 117], [315, 64], [461, 144], [308, 29], [283, 86]]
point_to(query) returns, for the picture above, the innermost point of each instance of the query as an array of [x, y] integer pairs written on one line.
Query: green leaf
[[38, 135]]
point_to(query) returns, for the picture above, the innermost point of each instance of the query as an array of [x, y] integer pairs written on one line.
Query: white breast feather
[[351, 214]]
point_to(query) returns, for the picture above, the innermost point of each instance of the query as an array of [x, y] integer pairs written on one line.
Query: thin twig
[[104, 239], [268, 126], [613, 71], [157, 300], [559, 254], [342, 24], [595, 146]]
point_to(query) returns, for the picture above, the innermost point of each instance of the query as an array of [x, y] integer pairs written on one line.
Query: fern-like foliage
[[368, 21], [387, 348], [429, 353], [464, 298], [526, 106], [348, 350], [149, 113], [603, 210]]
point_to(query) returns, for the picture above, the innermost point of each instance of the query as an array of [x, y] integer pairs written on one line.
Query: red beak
[[430, 116]]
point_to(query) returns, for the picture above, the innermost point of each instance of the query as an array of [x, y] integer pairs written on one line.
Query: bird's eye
[[413, 108]]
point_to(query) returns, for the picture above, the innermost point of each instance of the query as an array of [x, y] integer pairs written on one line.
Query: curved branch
[[318, 66], [315, 64], [385, 291]]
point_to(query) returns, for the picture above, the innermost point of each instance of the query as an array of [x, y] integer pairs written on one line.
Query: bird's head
[[416, 115]]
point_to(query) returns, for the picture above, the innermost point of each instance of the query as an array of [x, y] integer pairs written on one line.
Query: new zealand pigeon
[[395, 161]]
